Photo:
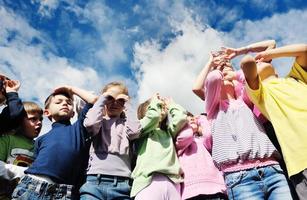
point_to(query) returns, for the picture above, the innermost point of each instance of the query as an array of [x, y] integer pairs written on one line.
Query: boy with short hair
[[17, 149], [13, 113], [62, 153]]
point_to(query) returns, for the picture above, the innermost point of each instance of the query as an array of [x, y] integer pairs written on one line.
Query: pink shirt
[[201, 176]]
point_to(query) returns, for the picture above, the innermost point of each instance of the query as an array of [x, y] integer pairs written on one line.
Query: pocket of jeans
[[234, 179]]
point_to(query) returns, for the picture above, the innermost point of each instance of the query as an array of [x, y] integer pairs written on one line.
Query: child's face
[[60, 108], [32, 125], [115, 101]]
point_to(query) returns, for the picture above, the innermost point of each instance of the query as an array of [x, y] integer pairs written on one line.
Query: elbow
[[272, 44]]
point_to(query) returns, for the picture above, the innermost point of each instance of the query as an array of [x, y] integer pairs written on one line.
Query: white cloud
[[285, 28], [47, 7], [171, 70]]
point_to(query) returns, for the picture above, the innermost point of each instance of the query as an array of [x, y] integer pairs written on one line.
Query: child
[[13, 113], [17, 149], [157, 173], [241, 148], [202, 179], [61, 154], [109, 169], [283, 102]]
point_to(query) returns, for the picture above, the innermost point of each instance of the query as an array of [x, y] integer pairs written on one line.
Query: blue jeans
[[29, 188], [105, 187], [258, 183]]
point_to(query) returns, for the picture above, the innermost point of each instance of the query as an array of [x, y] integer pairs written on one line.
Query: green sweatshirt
[[155, 147]]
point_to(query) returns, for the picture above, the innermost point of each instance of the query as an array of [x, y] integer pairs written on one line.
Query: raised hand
[[230, 52], [263, 56], [11, 85], [64, 89]]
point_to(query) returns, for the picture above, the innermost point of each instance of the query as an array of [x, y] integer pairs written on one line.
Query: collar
[[61, 123]]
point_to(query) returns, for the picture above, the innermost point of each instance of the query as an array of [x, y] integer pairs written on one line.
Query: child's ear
[[46, 113]]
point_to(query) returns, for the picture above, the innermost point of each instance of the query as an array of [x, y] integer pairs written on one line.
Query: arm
[[254, 47], [94, 117], [14, 112], [198, 86], [177, 118], [87, 96], [10, 172], [249, 67], [184, 138], [132, 126], [152, 117], [299, 51], [213, 92]]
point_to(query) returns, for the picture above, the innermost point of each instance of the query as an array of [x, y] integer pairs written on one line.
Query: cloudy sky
[[151, 45]]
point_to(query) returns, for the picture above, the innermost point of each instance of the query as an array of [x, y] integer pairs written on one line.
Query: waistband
[[43, 187], [41, 178], [111, 178], [249, 164]]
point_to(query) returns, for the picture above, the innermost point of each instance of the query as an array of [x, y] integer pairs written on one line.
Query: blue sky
[[151, 45]]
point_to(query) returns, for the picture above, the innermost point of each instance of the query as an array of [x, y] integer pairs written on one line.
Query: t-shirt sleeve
[[4, 145], [298, 72], [255, 95]]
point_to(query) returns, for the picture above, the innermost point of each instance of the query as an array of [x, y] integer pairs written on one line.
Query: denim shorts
[[30, 188]]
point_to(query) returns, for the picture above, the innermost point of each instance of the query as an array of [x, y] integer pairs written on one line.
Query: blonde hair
[[122, 86], [32, 108]]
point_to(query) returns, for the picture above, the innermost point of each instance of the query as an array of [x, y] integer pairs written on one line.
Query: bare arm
[[83, 94], [254, 47], [198, 86], [249, 68], [295, 50]]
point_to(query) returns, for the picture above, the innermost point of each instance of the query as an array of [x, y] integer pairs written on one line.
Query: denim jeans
[[258, 183], [29, 188], [105, 187]]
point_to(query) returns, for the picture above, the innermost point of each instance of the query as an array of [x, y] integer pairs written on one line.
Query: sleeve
[[177, 118], [10, 172], [4, 147], [132, 126], [152, 117], [12, 113], [213, 85], [255, 95], [206, 132], [184, 139], [298, 72], [94, 116]]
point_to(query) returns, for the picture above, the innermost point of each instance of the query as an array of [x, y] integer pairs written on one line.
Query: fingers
[[11, 85], [63, 89]]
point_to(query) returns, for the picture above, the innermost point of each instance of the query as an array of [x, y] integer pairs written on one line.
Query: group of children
[[161, 151]]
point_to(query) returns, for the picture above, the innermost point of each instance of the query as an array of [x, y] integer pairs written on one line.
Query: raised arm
[[198, 86], [83, 94], [254, 47], [296, 50], [152, 116]]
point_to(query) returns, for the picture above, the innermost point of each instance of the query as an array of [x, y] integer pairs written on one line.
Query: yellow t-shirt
[[284, 102]]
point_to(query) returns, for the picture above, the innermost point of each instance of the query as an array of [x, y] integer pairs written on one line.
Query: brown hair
[[116, 84], [142, 108], [49, 98], [32, 108]]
